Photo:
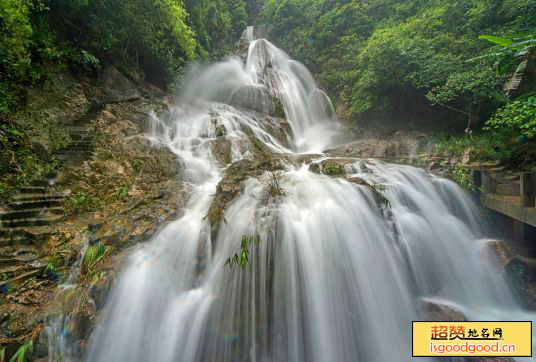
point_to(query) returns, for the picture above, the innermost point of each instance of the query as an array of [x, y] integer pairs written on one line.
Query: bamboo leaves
[[241, 257]]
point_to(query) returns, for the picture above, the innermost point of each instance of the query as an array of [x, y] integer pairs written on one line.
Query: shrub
[[517, 118]]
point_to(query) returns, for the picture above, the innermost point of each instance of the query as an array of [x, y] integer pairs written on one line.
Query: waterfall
[[332, 274]]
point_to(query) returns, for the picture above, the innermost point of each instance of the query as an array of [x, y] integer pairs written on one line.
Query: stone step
[[84, 137], [66, 155], [11, 233], [34, 190], [15, 236], [47, 182], [14, 255], [76, 148], [36, 221], [38, 197], [29, 213], [79, 129], [8, 285], [15, 240], [34, 204], [81, 143], [21, 263], [78, 158]]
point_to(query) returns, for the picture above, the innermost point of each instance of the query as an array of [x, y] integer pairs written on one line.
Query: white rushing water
[[333, 277]]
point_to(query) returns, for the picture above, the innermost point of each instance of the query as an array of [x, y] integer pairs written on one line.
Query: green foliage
[[217, 23], [3, 277], [52, 268], [514, 56], [405, 60], [94, 253], [516, 119], [153, 38], [481, 146], [24, 352], [137, 165], [79, 201], [379, 191], [333, 169], [122, 193], [241, 257], [463, 177], [15, 57], [19, 162], [151, 35]]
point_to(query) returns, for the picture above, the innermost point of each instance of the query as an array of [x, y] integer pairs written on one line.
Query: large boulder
[[257, 98], [435, 311], [499, 252], [372, 148], [331, 167]]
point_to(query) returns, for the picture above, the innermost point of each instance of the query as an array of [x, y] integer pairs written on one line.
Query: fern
[[513, 83]]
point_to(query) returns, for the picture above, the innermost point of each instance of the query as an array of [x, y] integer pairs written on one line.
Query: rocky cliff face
[[111, 188]]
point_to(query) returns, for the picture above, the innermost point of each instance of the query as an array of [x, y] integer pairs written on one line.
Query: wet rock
[[498, 251], [372, 148], [242, 49], [22, 313], [439, 312], [221, 149], [257, 98], [331, 167], [230, 186], [115, 87], [278, 127]]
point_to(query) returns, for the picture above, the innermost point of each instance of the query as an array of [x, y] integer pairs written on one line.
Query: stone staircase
[[34, 212]]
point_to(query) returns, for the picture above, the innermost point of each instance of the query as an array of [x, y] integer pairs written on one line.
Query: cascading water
[[332, 276]]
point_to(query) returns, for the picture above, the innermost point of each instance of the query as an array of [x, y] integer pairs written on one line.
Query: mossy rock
[[329, 167], [279, 110], [230, 186], [221, 149]]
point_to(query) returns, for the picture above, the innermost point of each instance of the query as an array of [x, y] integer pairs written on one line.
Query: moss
[[377, 190], [279, 109], [230, 186], [333, 169], [329, 168]]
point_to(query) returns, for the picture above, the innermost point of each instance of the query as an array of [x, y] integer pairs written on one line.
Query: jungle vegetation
[[455, 66], [452, 66], [150, 40]]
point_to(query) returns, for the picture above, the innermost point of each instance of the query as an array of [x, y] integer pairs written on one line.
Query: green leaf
[[497, 40], [23, 353]]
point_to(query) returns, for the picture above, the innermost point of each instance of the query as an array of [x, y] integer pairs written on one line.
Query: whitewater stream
[[333, 276]]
